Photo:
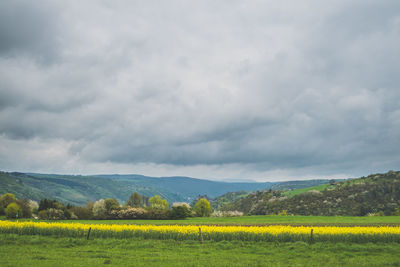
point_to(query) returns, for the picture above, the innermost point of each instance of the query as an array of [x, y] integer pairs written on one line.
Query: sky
[[226, 89]]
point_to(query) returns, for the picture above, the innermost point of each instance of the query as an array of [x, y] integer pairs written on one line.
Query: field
[[263, 220], [304, 190], [69, 247], [51, 251]]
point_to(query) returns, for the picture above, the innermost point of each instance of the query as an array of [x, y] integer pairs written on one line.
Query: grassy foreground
[[262, 220], [52, 251]]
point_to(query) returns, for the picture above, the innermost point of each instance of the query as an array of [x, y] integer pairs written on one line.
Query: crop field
[[272, 233], [260, 220], [267, 240]]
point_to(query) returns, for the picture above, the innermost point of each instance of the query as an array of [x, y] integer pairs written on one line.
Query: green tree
[[6, 200], [135, 200], [156, 202], [203, 208], [13, 211], [111, 204], [179, 212], [26, 210]]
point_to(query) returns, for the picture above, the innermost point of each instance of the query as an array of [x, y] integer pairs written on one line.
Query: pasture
[[52, 251]]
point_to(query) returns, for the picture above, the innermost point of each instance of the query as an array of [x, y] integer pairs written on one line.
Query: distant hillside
[[291, 193], [293, 185], [77, 189], [377, 193], [189, 188], [227, 198], [225, 202]]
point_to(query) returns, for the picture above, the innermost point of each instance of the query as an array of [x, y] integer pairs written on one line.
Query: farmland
[[260, 220], [69, 245], [50, 251]]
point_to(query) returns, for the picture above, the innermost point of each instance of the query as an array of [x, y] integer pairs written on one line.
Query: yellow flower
[[280, 232]]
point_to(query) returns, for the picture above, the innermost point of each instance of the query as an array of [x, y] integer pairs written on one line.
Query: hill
[[293, 185], [227, 198], [374, 194], [77, 189]]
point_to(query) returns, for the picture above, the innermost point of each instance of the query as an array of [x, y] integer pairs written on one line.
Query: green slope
[[321, 187], [293, 185], [80, 189], [375, 194]]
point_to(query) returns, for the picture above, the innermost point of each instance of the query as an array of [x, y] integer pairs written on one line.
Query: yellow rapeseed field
[[183, 232]]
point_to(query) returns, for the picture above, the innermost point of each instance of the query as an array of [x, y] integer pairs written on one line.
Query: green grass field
[[304, 190], [50, 251], [263, 220]]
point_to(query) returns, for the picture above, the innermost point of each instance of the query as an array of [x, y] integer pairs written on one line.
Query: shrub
[[179, 212], [233, 213], [157, 214], [83, 213], [111, 204], [283, 213], [45, 204], [51, 214], [130, 213]]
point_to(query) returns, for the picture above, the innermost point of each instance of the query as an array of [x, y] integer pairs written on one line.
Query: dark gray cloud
[[29, 29], [212, 89]]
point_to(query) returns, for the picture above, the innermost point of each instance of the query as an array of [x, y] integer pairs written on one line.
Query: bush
[[13, 211], [67, 214], [83, 213], [179, 212], [51, 214], [233, 213], [111, 204], [45, 204], [157, 214], [130, 213], [283, 213]]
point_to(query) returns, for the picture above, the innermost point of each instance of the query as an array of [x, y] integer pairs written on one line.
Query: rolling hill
[[77, 189], [374, 194]]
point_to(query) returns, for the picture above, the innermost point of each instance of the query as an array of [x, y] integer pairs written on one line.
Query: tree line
[[136, 207]]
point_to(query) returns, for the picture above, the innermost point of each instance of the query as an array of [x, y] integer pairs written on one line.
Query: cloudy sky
[[262, 90]]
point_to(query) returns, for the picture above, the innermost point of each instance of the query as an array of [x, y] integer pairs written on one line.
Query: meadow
[[62, 251]]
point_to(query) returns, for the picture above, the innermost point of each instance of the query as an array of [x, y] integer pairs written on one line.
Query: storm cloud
[[211, 89]]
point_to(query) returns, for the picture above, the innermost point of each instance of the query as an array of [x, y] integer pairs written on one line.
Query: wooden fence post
[[88, 233], [311, 236], [201, 236]]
